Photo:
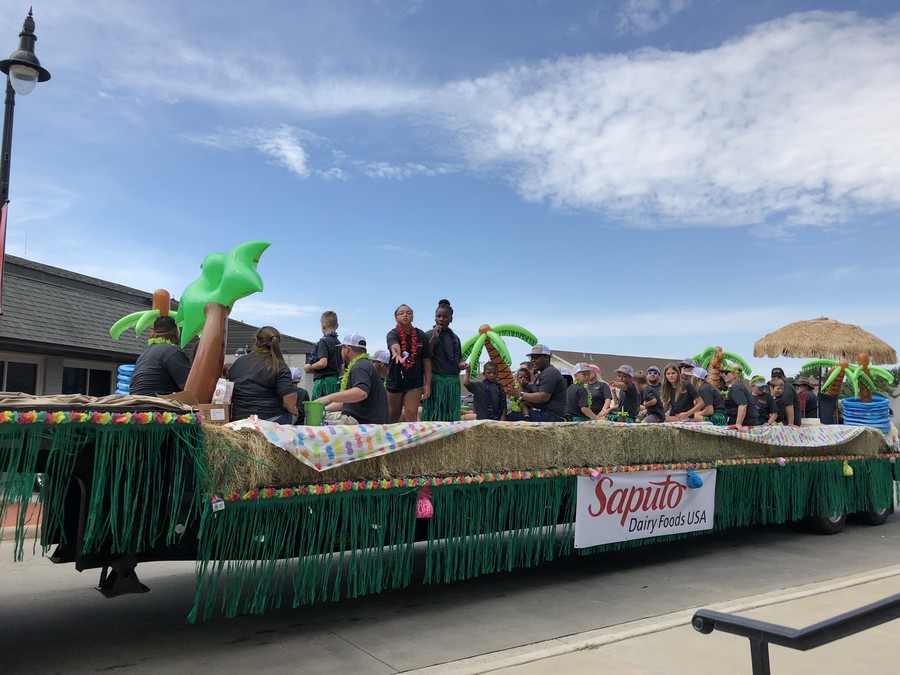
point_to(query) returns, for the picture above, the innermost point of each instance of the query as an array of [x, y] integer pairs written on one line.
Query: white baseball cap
[[354, 340]]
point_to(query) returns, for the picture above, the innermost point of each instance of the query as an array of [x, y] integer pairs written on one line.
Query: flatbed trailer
[[126, 486]]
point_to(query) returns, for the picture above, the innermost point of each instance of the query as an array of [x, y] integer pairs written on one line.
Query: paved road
[[53, 620]]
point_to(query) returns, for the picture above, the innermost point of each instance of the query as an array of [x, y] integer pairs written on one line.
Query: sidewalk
[[667, 645]]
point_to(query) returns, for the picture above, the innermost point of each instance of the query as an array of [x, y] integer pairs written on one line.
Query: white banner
[[622, 506]]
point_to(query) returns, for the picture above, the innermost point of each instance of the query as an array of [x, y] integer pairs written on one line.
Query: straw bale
[[244, 459], [824, 338]]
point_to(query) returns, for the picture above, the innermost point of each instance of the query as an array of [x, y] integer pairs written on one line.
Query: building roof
[[609, 362], [49, 310]]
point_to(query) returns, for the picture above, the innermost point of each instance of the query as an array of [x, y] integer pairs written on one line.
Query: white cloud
[[283, 146], [257, 311], [797, 121], [645, 16], [399, 171]]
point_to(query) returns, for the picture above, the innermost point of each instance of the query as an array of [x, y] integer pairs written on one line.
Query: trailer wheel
[[876, 516], [829, 524]]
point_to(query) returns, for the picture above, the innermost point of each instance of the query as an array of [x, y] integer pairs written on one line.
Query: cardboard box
[[215, 413]]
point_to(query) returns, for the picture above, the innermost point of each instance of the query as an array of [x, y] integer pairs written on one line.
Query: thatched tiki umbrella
[[824, 338]]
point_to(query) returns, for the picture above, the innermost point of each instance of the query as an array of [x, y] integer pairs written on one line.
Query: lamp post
[[23, 71]]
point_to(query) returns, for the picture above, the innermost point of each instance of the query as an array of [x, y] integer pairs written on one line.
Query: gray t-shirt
[[373, 408], [711, 395], [256, 390], [488, 399], [792, 398], [739, 395], [576, 399], [551, 381], [446, 354], [160, 370], [600, 394]]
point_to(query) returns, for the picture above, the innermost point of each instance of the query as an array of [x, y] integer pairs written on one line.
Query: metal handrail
[[763, 633]]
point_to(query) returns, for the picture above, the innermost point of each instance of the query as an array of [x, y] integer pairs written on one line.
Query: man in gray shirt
[[548, 396], [364, 399]]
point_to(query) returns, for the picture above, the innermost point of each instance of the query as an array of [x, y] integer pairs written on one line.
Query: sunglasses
[[653, 372]]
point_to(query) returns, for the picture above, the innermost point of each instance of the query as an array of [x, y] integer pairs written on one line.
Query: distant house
[[54, 331], [609, 362]]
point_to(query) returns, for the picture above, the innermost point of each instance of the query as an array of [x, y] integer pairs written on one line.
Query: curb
[[8, 532], [516, 656]]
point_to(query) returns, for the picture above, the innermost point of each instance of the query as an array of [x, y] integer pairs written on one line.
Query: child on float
[[380, 360], [325, 360], [680, 398], [713, 404], [601, 395], [519, 411], [629, 400], [409, 373], [652, 409], [766, 410], [578, 397], [446, 361], [776, 385], [302, 395], [488, 397]]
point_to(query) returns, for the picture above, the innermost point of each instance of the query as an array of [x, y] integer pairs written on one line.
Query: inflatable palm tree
[[861, 376], [491, 339], [203, 310], [714, 361]]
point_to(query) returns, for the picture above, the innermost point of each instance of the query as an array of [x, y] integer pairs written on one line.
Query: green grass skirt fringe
[[443, 404], [354, 543], [137, 490], [324, 386]]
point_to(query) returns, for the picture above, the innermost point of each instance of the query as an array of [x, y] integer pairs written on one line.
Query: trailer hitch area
[[119, 578]]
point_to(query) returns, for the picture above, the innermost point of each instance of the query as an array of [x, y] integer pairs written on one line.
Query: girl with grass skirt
[[446, 361]]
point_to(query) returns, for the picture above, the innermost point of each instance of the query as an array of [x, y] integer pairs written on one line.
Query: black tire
[[876, 516], [829, 524]]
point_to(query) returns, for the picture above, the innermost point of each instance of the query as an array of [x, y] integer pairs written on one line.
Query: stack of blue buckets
[[123, 379]]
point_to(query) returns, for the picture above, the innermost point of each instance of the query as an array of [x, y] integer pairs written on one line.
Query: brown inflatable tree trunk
[[865, 396], [207, 367], [714, 372], [834, 389], [504, 374]]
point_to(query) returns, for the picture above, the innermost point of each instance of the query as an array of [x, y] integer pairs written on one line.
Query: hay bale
[[241, 460]]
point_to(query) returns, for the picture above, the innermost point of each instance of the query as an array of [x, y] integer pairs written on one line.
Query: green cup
[[315, 412]]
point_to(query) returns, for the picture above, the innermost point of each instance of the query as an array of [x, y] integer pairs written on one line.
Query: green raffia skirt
[[325, 386], [717, 418], [443, 404]]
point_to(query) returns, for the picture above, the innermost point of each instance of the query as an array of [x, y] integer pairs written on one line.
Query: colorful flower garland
[[499, 477], [96, 417], [346, 376]]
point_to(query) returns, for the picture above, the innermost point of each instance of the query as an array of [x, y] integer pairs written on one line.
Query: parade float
[[278, 514]]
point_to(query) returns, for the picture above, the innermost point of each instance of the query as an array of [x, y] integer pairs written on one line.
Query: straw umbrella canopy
[[824, 338]]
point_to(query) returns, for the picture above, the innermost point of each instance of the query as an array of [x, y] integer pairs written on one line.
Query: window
[[21, 377], [90, 381]]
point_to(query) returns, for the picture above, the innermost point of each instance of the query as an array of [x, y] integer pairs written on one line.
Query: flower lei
[[413, 351], [159, 341], [346, 377], [314, 354], [487, 395]]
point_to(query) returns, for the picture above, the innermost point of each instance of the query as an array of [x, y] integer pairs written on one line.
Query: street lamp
[[23, 71]]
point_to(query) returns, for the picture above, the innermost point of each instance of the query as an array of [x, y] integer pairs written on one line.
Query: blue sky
[[645, 177]]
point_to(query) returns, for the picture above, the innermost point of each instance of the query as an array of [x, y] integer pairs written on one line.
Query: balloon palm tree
[[491, 339], [714, 361], [203, 310], [862, 376]]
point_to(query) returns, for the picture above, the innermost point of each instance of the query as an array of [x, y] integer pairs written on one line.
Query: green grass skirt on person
[[717, 418], [444, 403], [324, 386]]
